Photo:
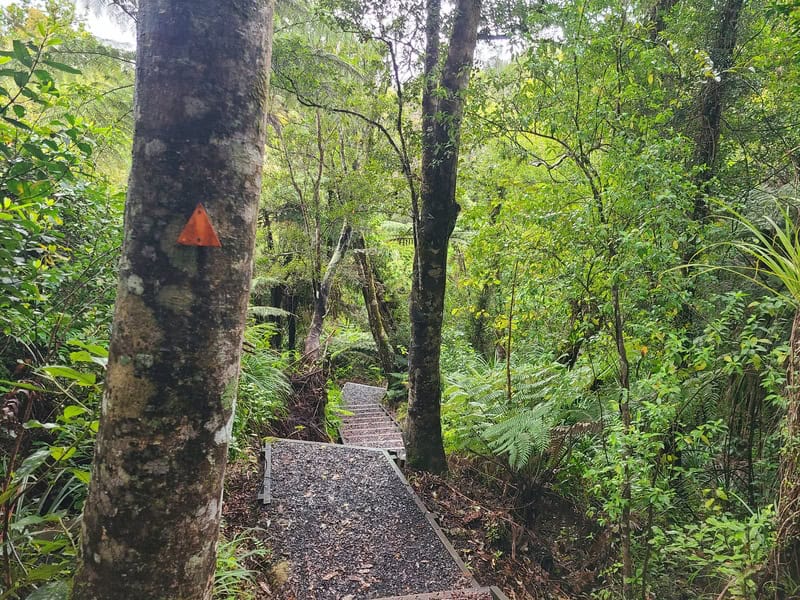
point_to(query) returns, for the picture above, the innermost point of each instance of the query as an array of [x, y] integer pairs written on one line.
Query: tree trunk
[[151, 519], [442, 107], [480, 338], [290, 306], [711, 103], [387, 317], [369, 291], [787, 541], [656, 14], [312, 346], [276, 296]]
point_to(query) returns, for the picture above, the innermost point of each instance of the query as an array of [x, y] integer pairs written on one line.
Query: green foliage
[[263, 387], [334, 410], [59, 217], [234, 579], [352, 353], [44, 490], [478, 415], [774, 252], [723, 547]]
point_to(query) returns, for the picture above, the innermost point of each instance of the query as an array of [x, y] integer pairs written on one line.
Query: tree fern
[[523, 433], [479, 416]]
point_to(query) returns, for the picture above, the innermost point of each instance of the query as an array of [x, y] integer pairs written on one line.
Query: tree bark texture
[[370, 293], [442, 108], [151, 519], [312, 346], [788, 535], [656, 14], [625, 525]]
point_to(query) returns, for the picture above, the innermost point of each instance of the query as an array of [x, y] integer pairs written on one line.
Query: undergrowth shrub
[[235, 576], [264, 387], [479, 416], [334, 410], [46, 474], [352, 353]]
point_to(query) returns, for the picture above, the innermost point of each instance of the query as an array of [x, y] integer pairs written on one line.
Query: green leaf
[[21, 78], [45, 573], [17, 124], [83, 379], [93, 348], [82, 475], [61, 452], [21, 53], [32, 462], [43, 75], [62, 67], [21, 385], [34, 424], [72, 411]]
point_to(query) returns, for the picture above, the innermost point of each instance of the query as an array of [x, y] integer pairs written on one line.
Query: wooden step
[[484, 593]]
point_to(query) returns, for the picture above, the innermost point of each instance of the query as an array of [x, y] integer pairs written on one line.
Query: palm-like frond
[[775, 253]]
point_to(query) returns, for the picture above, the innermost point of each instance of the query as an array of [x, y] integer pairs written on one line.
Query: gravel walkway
[[344, 525], [369, 425]]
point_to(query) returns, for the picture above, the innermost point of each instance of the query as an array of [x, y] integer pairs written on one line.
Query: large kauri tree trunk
[[312, 346], [442, 107], [152, 516]]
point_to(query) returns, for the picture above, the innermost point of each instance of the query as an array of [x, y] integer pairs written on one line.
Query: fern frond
[[265, 312], [522, 434]]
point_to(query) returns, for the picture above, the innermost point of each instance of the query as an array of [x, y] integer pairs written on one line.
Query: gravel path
[[369, 425], [344, 525]]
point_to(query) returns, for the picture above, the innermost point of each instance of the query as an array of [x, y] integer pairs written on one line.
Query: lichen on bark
[[152, 515]]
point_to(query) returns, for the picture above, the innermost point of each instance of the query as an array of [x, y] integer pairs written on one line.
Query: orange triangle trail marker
[[199, 231]]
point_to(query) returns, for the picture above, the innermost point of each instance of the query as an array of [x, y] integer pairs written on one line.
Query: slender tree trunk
[[442, 107], [387, 316], [711, 103], [510, 331], [312, 346], [788, 536], [276, 296], [625, 415], [479, 326], [656, 14], [151, 519], [369, 291], [290, 306]]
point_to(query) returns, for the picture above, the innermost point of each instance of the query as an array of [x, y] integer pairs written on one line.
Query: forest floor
[[555, 553]]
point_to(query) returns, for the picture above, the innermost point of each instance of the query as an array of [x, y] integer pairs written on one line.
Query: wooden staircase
[[368, 424]]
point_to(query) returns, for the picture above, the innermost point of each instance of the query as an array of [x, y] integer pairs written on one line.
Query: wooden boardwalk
[[369, 425]]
